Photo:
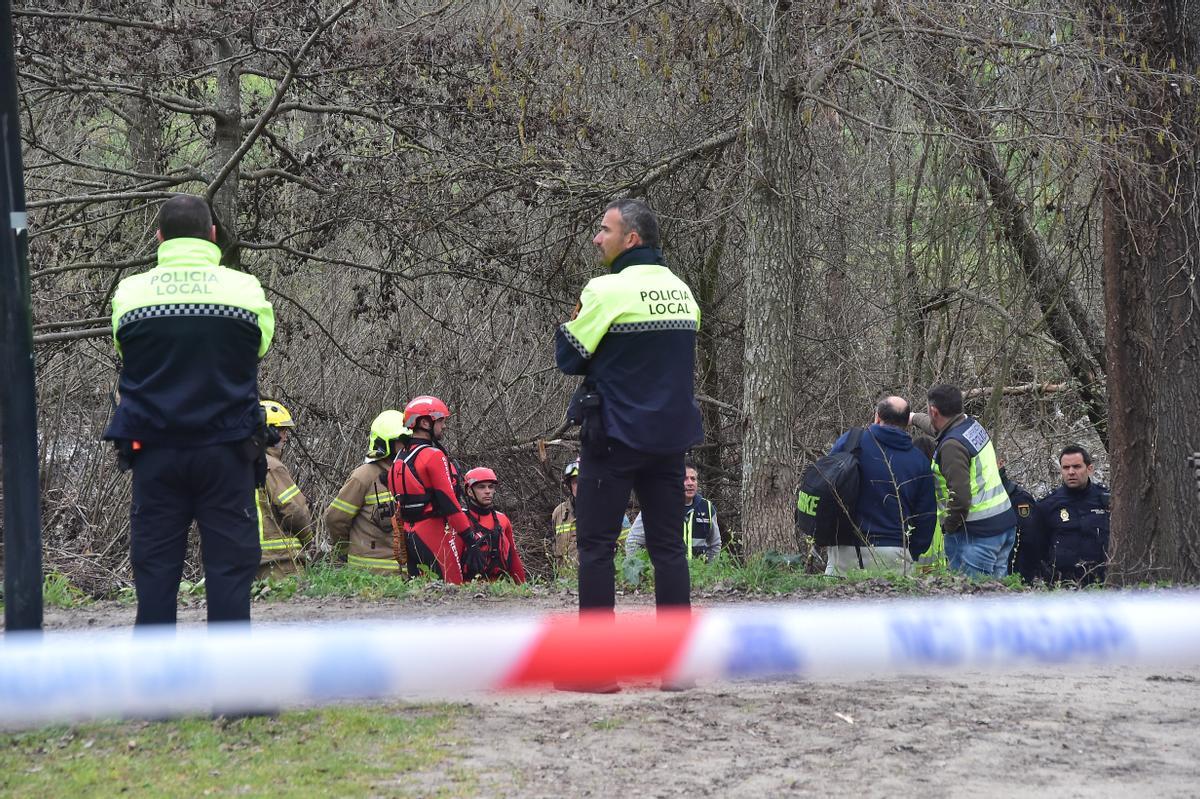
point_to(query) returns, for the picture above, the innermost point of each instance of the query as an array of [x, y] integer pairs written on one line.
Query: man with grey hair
[[633, 338], [897, 509]]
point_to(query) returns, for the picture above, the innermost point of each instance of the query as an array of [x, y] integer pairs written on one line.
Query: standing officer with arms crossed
[[1071, 523], [634, 339], [190, 333]]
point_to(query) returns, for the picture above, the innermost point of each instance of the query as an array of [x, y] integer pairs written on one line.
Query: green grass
[[781, 574], [339, 751], [59, 592], [322, 579]]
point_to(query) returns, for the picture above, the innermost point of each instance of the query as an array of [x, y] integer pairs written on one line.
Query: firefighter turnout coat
[[361, 514], [284, 520]]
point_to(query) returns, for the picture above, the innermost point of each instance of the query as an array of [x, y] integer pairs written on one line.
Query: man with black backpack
[[894, 513]]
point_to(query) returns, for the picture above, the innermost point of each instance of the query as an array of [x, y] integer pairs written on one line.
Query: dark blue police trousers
[[172, 486], [606, 476]]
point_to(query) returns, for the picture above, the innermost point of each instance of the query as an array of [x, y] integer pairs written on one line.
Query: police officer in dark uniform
[[1072, 522], [1028, 548], [633, 337], [190, 333]]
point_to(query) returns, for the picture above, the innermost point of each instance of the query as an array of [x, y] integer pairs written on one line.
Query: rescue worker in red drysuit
[[434, 540], [489, 549]]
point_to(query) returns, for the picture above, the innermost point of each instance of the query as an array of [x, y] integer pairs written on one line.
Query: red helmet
[[424, 405], [480, 474]]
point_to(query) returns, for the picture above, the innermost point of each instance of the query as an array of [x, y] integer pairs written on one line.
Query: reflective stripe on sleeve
[[277, 544], [343, 506], [378, 498]]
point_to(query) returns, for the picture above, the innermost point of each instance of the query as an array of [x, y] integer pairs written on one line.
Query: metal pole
[[18, 408]]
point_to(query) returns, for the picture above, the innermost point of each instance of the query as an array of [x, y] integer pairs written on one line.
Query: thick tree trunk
[[1151, 258], [772, 275]]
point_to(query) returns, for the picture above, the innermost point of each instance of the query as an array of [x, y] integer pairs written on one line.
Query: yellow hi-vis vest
[[990, 511]]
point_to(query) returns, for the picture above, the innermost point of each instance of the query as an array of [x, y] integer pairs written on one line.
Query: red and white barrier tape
[[238, 668]]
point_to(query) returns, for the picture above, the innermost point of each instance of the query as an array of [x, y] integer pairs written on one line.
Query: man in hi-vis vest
[[978, 523]]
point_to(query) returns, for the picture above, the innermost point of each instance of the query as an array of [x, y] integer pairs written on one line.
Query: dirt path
[[1116, 732]]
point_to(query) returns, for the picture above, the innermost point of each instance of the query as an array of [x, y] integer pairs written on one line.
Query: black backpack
[[829, 495]]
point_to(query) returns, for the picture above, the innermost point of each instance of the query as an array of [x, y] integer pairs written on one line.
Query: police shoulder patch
[[976, 435], [1024, 509]]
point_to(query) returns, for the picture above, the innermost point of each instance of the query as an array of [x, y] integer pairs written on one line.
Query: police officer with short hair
[[1072, 522], [979, 527], [190, 333], [701, 531], [633, 338]]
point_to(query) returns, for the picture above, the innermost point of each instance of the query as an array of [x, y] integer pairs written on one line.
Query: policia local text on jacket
[[634, 338], [190, 333], [284, 520], [359, 517]]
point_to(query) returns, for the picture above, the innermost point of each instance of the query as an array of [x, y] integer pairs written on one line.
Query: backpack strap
[[854, 442]]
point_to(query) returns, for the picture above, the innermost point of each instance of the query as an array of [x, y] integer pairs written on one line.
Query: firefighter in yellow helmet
[[359, 519], [284, 520], [560, 543]]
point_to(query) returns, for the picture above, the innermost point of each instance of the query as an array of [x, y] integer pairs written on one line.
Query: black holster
[[254, 448], [125, 453]]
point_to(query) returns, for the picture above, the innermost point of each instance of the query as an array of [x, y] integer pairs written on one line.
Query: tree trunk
[[227, 137], [771, 277], [1151, 257]]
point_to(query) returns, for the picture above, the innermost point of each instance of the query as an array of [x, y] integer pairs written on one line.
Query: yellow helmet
[[387, 427], [277, 415]]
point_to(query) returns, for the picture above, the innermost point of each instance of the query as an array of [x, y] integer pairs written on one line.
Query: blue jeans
[[979, 555]]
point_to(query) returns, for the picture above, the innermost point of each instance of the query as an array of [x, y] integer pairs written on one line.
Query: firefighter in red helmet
[[434, 520], [489, 549]]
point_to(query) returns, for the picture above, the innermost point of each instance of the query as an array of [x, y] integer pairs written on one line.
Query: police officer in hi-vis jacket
[[633, 338], [190, 333]]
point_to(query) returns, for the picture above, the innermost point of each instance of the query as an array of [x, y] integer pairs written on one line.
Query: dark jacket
[[634, 338], [896, 490], [190, 333], [1073, 526], [1029, 550]]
